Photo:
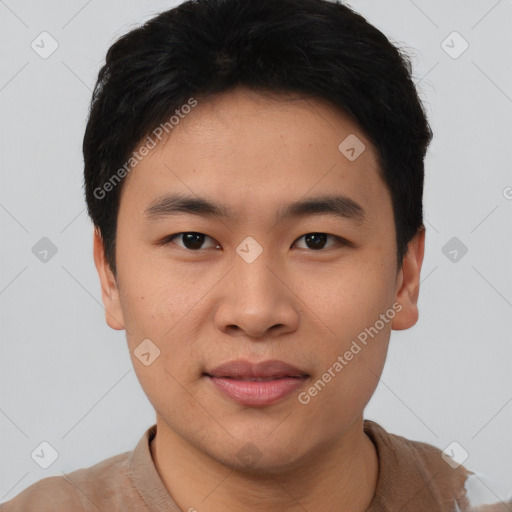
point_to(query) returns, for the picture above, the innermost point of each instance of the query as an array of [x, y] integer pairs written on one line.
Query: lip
[[243, 369], [256, 384]]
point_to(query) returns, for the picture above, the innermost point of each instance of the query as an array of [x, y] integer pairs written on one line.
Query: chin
[[262, 455]]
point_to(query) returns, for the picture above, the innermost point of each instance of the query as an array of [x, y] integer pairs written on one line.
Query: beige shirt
[[413, 477]]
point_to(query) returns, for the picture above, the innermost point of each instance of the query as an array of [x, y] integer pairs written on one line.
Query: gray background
[[67, 379]]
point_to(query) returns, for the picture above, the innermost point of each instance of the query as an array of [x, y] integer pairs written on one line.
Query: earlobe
[[109, 291], [409, 283]]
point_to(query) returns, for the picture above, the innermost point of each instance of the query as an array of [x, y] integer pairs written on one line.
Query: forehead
[[249, 150]]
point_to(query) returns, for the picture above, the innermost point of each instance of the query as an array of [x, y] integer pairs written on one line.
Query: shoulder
[[426, 456], [418, 469], [52, 493], [451, 479], [495, 507], [78, 491]]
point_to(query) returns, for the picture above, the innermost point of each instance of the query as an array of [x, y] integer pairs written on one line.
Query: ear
[[109, 291], [408, 283]]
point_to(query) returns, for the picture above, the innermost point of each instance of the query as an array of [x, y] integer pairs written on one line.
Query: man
[[254, 172]]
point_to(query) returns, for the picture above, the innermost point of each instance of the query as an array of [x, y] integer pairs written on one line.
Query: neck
[[340, 476]]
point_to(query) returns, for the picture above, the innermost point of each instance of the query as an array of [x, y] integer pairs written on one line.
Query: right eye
[[191, 240]]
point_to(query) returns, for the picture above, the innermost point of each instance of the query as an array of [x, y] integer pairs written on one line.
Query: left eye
[[316, 241]]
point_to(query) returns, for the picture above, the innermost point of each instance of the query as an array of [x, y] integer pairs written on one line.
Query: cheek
[[353, 316], [156, 296], [156, 310], [343, 387], [351, 300]]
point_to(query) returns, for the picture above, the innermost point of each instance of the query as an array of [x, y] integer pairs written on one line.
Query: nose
[[257, 300]]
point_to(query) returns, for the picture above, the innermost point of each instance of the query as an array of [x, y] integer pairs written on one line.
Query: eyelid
[[168, 239], [340, 241]]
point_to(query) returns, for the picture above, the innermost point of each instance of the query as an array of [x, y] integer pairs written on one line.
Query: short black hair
[[317, 48]]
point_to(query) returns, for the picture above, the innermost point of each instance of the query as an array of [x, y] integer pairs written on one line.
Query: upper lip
[[245, 369]]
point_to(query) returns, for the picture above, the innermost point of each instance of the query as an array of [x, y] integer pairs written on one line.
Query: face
[[253, 277]]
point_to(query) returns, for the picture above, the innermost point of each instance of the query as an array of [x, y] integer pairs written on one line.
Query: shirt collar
[[412, 475]]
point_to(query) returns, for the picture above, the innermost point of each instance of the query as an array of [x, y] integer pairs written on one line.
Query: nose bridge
[[252, 275], [255, 299]]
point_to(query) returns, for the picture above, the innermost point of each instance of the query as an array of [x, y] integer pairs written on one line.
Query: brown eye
[[317, 241], [191, 240]]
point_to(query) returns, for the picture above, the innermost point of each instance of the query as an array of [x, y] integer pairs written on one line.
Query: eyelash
[[341, 241]]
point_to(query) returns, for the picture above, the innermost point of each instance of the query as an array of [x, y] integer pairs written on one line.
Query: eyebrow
[[337, 205]]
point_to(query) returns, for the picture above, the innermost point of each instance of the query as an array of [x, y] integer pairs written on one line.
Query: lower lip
[[257, 393]]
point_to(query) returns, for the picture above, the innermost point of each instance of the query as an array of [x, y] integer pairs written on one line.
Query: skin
[[294, 303]]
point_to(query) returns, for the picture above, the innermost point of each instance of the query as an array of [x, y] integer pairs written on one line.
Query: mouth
[[256, 384], [253, 379]]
